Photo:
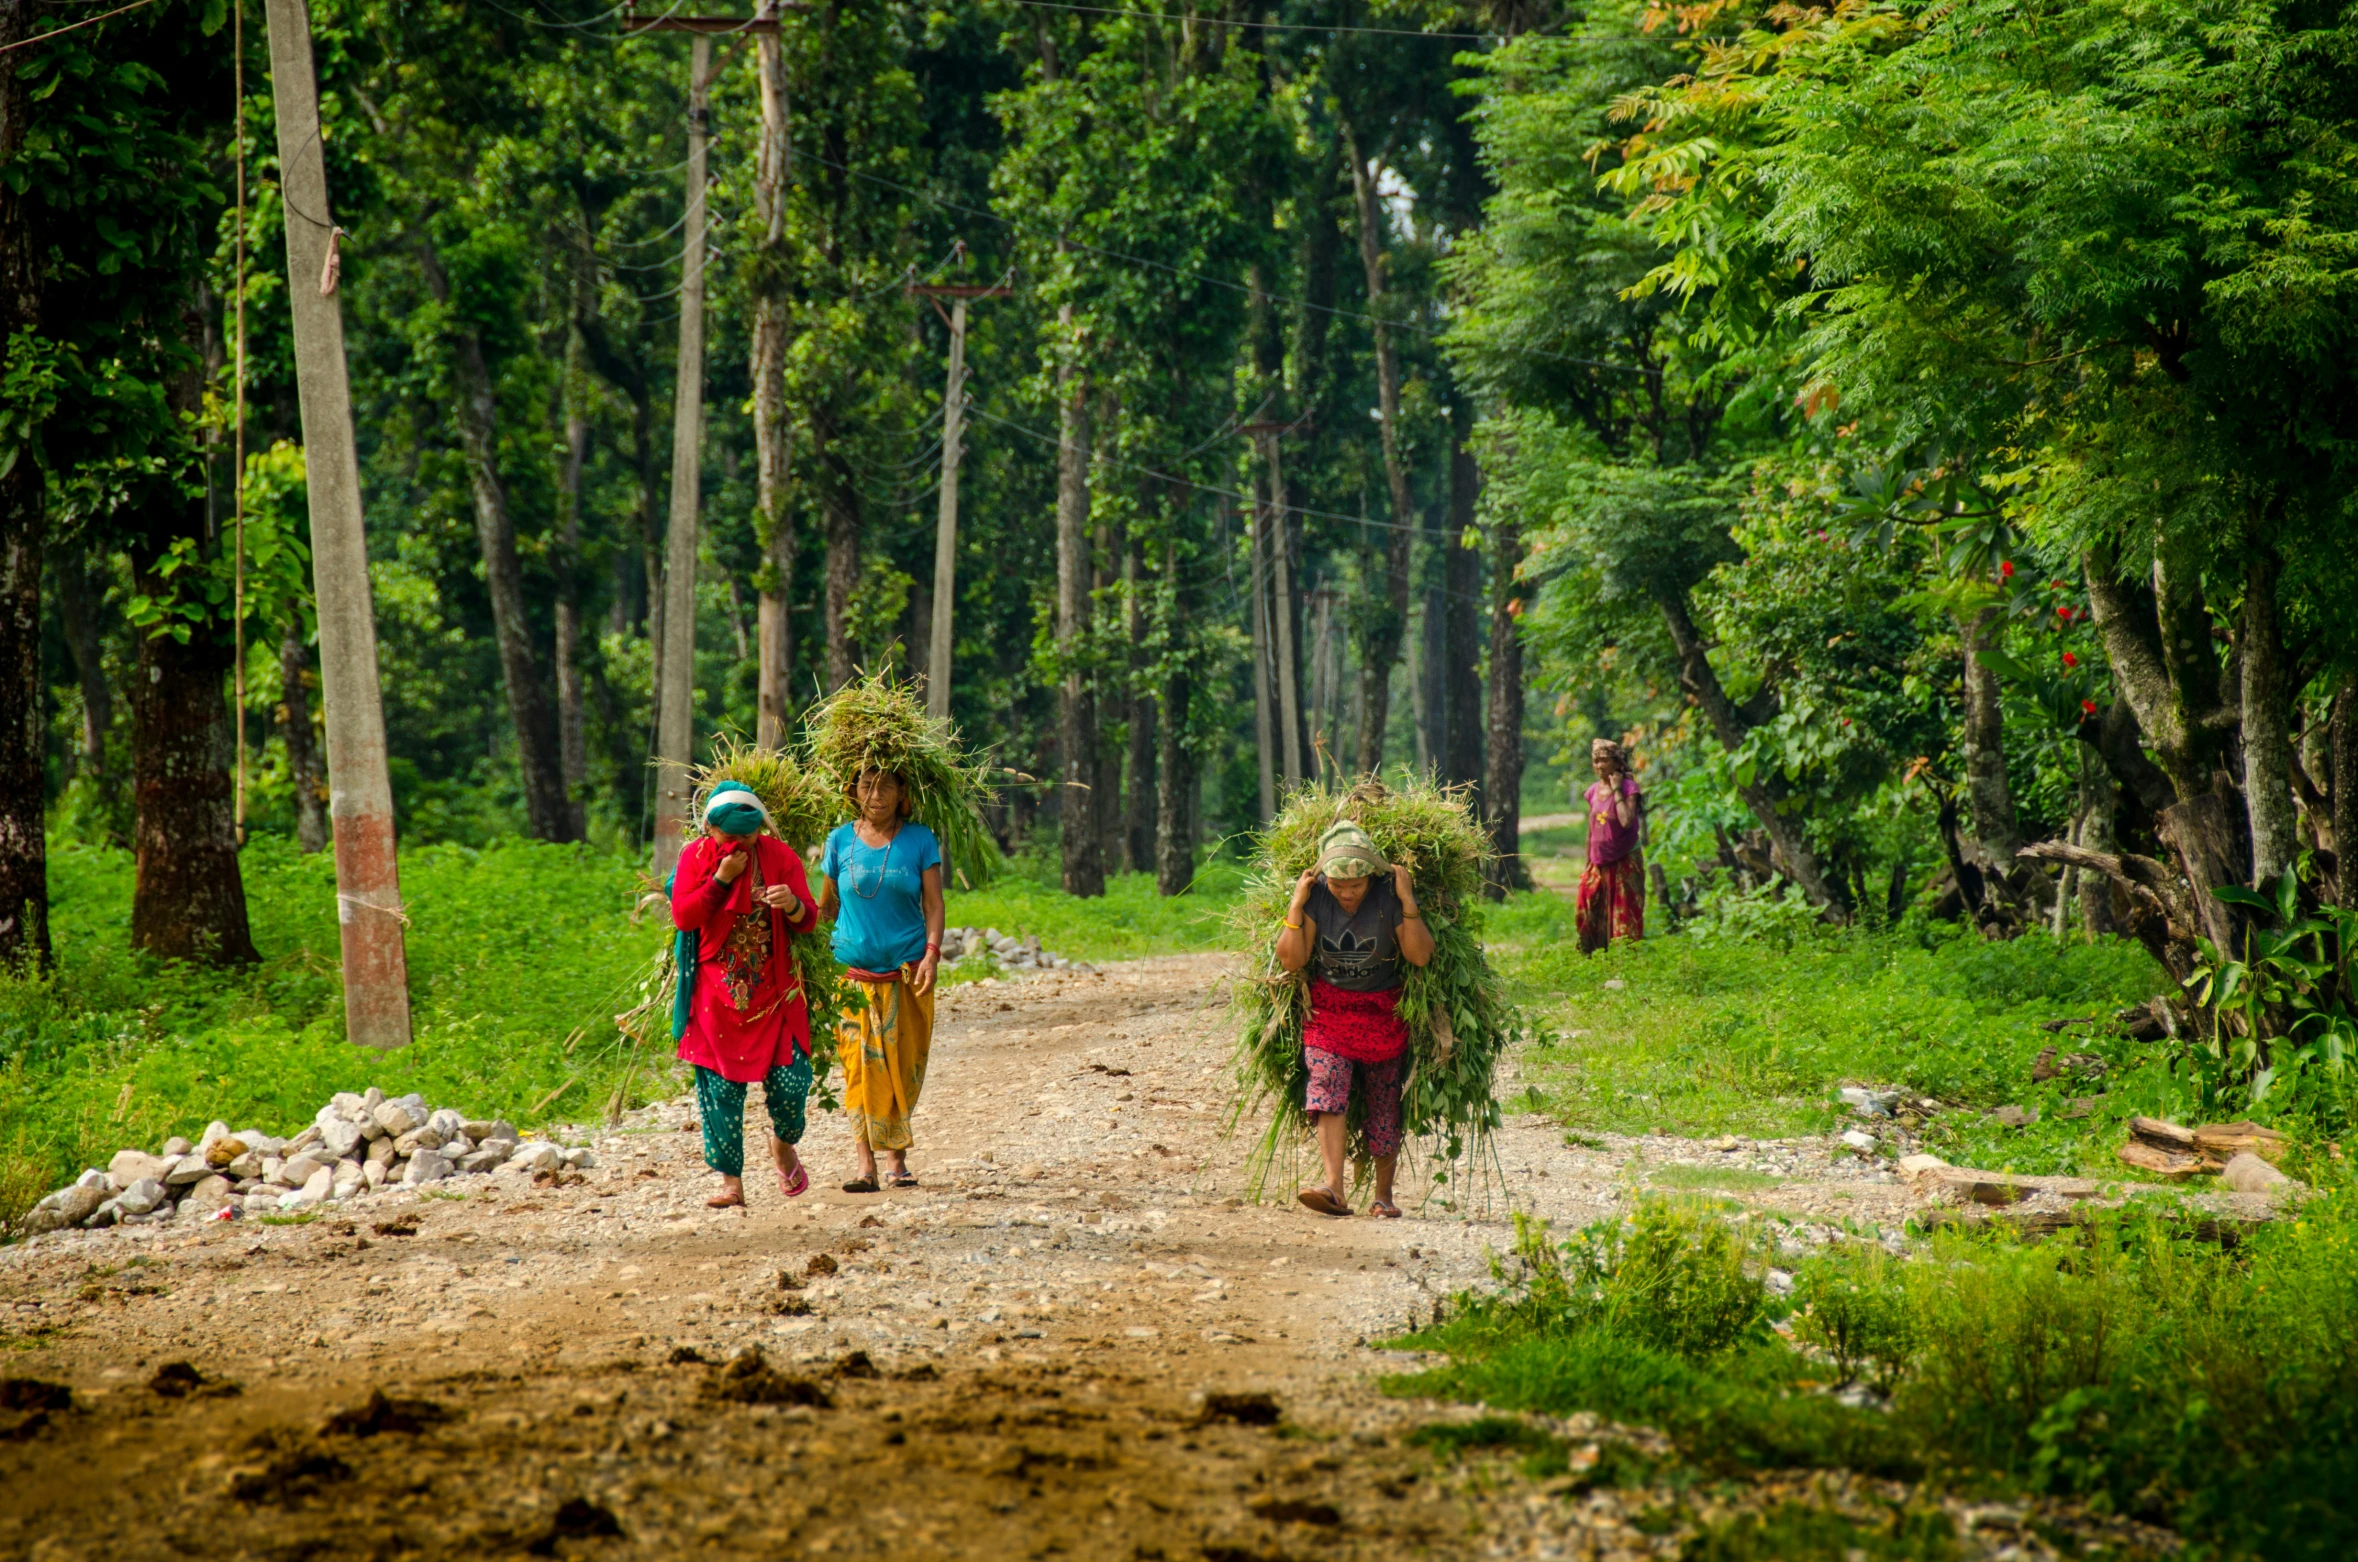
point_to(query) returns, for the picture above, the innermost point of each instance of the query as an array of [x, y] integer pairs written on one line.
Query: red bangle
[[933, 945]]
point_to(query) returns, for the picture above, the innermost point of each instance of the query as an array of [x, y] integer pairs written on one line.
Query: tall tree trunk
[[24, 850], [1138, 821], [1076, 709], [189, 900], [1114, 686], [1386, 626], [1502, 780], [1701, 682], [2345, 793], [2099, 832], [1461, 659], [572, 731], [547, 814], [2267, 728], [839, 508], [772, 441], [311, 824], [1175, 777], [77, 611], [1988, 796]]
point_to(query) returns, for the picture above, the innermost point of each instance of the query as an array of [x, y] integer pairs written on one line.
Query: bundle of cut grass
[[1459, 1021], [876, 724], [803, 800]]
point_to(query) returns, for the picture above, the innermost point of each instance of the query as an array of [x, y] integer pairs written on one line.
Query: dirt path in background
[[1074, 1339]]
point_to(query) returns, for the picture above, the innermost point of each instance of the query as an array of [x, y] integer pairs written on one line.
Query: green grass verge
[[2139, 1371], [1705, 1038]]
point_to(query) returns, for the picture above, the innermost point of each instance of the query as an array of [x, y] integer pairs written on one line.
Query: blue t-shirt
[[881, 923]]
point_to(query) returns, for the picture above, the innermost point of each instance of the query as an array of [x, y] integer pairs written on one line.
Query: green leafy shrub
[[1856, 1308]]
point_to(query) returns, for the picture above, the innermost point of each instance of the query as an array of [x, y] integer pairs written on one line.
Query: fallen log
[[2168, 1164]]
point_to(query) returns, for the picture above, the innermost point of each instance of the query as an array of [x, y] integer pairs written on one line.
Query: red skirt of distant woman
[[1612, 903]]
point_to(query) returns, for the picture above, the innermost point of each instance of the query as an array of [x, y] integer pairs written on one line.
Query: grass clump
[[1459, 1020], [876, 724], [2137, 1371]]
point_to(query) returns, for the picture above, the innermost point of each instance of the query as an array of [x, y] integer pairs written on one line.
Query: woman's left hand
[[779, 896], [1400, 885], [921, 979]]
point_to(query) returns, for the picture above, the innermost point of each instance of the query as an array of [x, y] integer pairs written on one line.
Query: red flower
[[2070, 660], [2064, 613], [2006, 569], [2087, 707]]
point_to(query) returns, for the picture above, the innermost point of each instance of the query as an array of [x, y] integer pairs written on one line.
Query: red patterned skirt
[[1612, 903], [1364, 1027]]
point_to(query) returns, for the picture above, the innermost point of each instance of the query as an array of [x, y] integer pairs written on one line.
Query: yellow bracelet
[[1294, 926]]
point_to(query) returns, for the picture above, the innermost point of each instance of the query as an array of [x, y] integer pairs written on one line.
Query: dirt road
[[1076, 1338]]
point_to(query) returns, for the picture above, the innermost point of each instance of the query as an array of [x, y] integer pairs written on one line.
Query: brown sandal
[[725, 1201], [1384, 1208], [1323, 1201]]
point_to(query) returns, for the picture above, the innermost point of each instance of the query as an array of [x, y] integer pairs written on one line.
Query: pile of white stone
[[357, 1145], [1014, 954]]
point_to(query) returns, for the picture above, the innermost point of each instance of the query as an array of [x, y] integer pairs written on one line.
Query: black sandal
[[860, 1185], [904, 1179]]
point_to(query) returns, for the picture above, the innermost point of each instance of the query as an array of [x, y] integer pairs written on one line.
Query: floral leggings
[[1379, 1095], [720, 1107]]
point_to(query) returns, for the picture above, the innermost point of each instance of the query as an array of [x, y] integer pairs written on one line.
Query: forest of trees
[[1923, 431]]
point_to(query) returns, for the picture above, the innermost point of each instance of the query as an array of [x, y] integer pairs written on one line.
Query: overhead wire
[[1272, 27], [1200, 276]]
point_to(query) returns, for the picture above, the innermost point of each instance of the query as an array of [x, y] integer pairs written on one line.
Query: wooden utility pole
[[1271, 525], [360, 786], [945, 537], [675, 700]]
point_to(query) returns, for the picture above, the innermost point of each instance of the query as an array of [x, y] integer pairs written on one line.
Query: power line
[[1198, 276], [1270, 27]]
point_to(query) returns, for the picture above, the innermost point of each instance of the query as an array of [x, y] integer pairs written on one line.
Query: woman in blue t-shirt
[[881, 880]]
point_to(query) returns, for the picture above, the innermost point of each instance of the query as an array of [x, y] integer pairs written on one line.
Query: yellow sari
[[883, 1043]]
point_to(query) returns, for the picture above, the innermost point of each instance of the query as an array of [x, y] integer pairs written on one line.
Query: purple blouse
[[1609, 840]]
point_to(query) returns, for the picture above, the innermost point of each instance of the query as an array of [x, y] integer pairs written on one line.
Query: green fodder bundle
[[803, 801], [876, 724], [1459, 1021]]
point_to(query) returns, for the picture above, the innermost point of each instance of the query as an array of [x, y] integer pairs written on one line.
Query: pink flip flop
[[799, 1184]]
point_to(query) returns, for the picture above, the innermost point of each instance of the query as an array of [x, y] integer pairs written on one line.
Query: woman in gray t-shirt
[[1353, 920]]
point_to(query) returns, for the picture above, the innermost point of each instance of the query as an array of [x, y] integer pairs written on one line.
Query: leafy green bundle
[[1459, 1021], [876, 724], [803, 800]]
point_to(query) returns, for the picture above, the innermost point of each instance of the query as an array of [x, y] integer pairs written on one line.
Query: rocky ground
[[1078, 1337]]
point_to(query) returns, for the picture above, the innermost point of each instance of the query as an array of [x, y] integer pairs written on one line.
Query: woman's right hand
[[731, 866], [1303, 886]]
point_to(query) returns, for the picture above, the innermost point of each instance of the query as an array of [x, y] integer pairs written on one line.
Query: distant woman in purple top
[[1613, 890]]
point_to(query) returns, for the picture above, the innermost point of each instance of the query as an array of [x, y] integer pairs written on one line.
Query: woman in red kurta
[[741, 891]]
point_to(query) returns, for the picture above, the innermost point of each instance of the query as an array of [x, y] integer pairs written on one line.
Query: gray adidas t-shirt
[[1359, 954]]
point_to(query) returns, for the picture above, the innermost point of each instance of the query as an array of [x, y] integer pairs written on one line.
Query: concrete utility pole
[[945, 537], [773, 455], [1272, 524], [675, 659], [675, 700], [360, 787]]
